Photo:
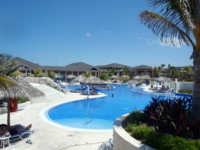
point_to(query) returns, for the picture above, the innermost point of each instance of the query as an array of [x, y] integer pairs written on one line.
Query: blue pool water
[[98, 113]]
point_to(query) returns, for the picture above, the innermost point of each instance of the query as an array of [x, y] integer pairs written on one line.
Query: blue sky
[[97, 32]]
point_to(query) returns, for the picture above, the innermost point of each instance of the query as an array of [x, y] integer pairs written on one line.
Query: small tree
[[187, 71], [103, 75], [112, 72], [50, 74], [37, 72], [126, 71], [87, 74]]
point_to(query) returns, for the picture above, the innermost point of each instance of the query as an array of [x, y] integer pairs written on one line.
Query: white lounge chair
[[21, 135]]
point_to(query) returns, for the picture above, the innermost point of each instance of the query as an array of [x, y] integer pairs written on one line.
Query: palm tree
[[126, 71], [6, 69], [37, 72], [87, 74], [177, 23], [157, 71], [5, 82], [9, 67], [112, 72], [162, 65], [103, 75], [50, 74], [174, 72], [187, 71]]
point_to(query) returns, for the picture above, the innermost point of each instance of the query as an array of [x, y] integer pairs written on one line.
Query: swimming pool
[[98, 113]]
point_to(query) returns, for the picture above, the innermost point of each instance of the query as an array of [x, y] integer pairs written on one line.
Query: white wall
[[123, 141], [185, 86], [181, 85]]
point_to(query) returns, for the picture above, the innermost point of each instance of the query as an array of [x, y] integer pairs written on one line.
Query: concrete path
[[50, 137]]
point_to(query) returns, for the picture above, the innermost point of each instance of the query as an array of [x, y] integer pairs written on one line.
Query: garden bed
[[122, 139]]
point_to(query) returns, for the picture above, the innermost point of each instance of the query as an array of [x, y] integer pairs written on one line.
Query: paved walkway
[[50, 137]]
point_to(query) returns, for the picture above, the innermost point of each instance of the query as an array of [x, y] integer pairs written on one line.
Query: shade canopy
[[163, 79], [137, 77], [145, 77], [92, 80], [58, 75], [70, 76], [80, 78], [125, 77], [114, 77], [20, 89]]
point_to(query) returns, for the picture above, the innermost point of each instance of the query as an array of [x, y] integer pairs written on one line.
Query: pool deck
[[49, 137]]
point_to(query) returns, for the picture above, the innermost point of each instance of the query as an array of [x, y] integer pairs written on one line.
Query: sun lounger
[[21, 135], [111, 143]]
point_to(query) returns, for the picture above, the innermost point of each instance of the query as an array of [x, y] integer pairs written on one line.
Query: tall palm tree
[[162, 65], [177, 23]]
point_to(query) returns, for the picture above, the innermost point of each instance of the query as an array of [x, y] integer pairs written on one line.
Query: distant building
[[80, 68]]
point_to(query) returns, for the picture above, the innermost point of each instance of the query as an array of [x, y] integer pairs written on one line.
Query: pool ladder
[[86, 119]]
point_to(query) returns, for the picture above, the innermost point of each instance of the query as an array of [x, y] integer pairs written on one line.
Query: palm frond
[[177, 11], [165, 29], [12, 71], [15, 74], [5, 82]]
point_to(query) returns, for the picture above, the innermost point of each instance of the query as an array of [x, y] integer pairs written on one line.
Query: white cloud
[[109, 32], [89, 34], [159, 42]]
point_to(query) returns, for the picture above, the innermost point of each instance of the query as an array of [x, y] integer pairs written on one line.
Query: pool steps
[[50, 94]]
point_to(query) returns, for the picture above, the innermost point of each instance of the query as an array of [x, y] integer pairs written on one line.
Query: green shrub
[[185, 91], [141, 131], [136, 117], [166, 116], [21, 100], [160, 141]]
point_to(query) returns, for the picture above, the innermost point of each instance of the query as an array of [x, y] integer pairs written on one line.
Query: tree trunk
[[196, 63], [8, 112], [196, 90]]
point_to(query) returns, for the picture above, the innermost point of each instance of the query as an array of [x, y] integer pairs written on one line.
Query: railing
[[87, 115], [86, 119]]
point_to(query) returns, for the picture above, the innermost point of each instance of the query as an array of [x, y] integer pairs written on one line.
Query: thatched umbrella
[[21, 89], [164, 79], [146, 77], [58, 75], [115, 77], [80, 78], [137, 78], [125, 77], [70, 76], [92, 80]]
